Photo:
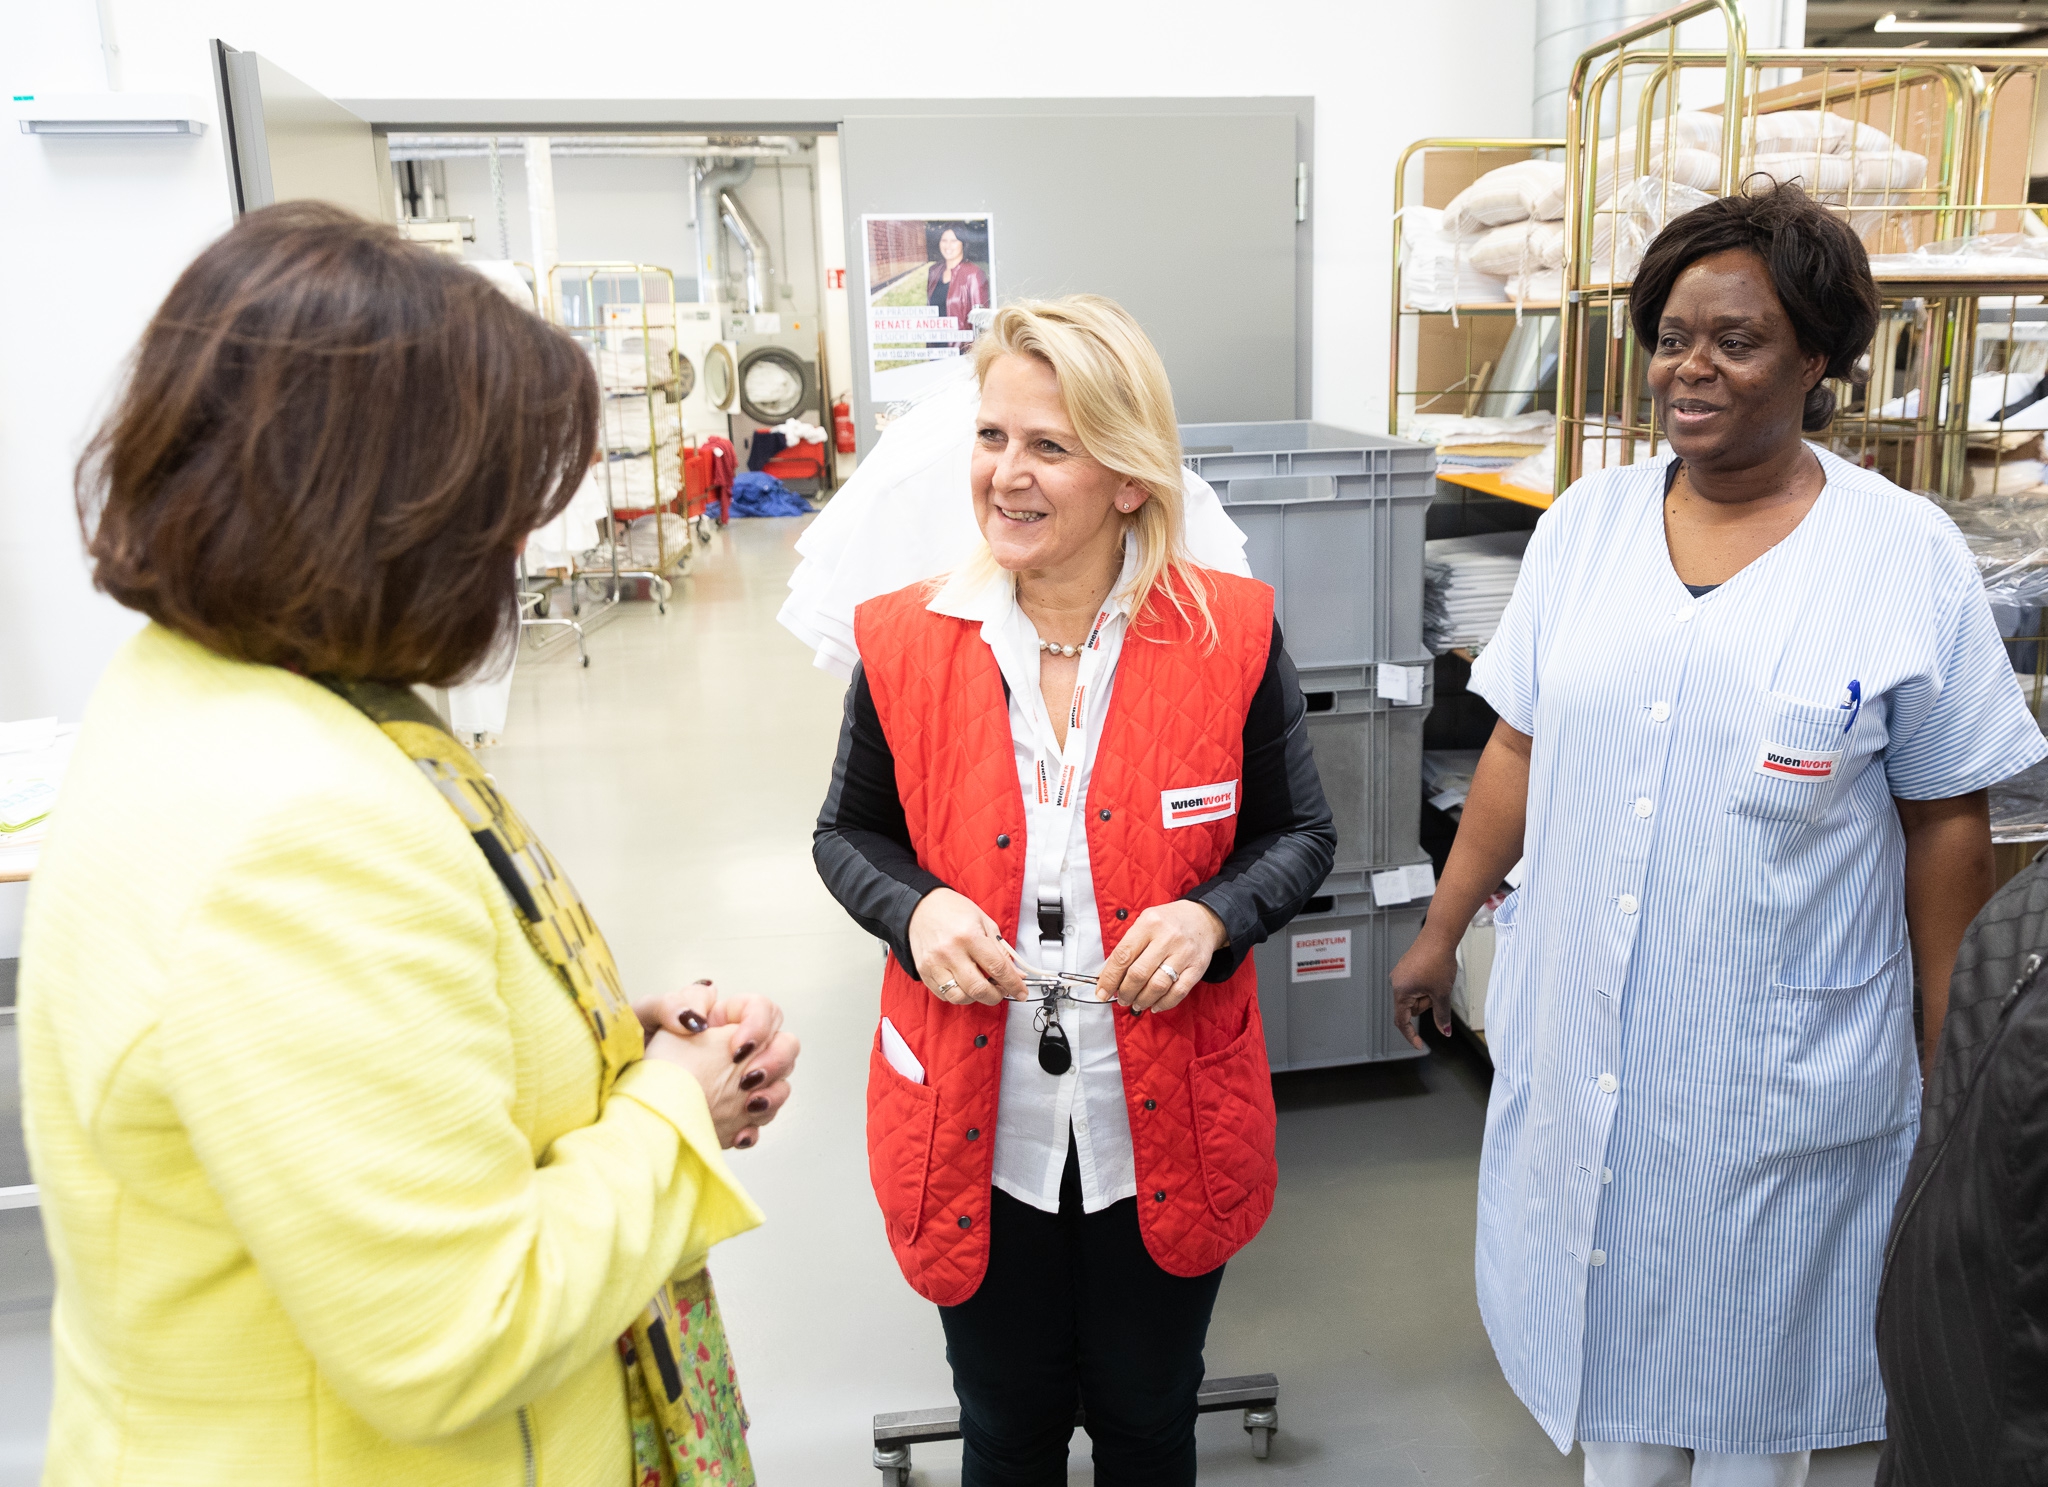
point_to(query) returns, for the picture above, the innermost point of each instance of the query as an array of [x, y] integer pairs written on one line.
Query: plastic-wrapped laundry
[[1436, 268], [1522, 191], [908, 513]]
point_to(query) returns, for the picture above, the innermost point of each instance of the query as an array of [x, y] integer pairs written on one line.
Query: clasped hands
[[961, 956], [734, 1047]]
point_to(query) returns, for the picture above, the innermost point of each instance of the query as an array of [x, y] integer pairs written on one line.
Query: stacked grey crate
[[1334, 520]]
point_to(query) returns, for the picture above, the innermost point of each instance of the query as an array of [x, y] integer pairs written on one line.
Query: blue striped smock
[[1701, 1012]]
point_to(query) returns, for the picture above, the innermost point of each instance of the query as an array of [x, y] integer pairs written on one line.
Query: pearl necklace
[[1059, 650]]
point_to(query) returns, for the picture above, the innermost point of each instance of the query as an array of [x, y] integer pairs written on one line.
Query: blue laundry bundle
[[755, 494]]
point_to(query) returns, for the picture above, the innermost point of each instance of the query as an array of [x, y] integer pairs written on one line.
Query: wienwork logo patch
[[1198, 803]]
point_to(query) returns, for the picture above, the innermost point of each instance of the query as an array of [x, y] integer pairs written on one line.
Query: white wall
[[109, 225]]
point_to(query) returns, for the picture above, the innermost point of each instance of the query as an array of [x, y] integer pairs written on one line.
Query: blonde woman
[[1073, 787]]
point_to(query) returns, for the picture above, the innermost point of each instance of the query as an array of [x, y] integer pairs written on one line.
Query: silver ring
[[950, 986], [1171, 973]]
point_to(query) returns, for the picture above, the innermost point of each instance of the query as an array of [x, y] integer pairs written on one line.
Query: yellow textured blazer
[[329, 1187]]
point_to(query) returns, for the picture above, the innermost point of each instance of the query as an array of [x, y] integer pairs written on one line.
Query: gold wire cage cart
[[624, 316]]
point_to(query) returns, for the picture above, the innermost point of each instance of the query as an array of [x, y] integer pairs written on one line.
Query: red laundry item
[[725, 464], [1201, 1097]]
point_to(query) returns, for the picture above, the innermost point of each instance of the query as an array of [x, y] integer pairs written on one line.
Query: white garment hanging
[[908, 514]]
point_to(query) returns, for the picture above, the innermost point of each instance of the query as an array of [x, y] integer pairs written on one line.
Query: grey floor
[[677, 778]]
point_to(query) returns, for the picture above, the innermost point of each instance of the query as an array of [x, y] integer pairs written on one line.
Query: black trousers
[[1074, 1310]]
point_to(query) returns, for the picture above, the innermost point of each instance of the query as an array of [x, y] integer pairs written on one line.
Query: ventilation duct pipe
[[713, 182], [760, 262]]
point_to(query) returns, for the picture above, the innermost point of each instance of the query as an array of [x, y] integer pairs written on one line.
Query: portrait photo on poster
[[925, 275]]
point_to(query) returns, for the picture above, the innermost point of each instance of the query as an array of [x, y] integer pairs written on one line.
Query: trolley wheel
[[663, 591], [1260, 1425], [586, 662], [894, 1464], [704, 529], [542, 607]]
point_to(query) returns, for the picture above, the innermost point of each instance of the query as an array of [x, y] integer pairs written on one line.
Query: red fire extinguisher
[[842, 427]]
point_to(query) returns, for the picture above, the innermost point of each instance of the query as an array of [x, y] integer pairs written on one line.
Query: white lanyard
[[1058, 776]]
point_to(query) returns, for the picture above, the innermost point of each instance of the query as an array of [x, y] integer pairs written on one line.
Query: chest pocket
[[1795, 765]]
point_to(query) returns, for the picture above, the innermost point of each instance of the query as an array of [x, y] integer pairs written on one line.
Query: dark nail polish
[[754, 1080], [692, 1023], [701, 981], [742, 1053], [756, 1105], [744, 1142]]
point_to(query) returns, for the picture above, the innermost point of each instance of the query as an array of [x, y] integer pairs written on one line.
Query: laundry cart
[[1334, 520]]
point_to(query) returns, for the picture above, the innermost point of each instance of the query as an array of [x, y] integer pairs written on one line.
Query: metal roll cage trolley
[[628, 332]]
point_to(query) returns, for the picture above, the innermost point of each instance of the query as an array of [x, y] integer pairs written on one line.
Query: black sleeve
[[1286, 838], [862, 843]]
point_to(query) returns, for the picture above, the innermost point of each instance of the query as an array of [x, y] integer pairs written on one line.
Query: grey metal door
[[287, 142], [1188, 219]]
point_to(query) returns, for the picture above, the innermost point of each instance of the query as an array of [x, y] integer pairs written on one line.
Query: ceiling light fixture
[[1953, 28]]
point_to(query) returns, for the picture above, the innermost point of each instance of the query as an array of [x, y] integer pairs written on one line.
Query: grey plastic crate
[[1369, 755], [1342, 1010], [1333, 520]]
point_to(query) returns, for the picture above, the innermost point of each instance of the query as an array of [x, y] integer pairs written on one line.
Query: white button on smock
[[1685, 613], [1627, 903], [1659, 711], [1609, 1084], [1606, 1175], [1644, 806], [1597, 1258]]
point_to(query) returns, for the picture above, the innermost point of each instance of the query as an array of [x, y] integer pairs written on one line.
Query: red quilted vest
[[1195, 1079]]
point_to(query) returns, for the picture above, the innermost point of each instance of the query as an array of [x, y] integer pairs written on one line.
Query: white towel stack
[[1467, 584]]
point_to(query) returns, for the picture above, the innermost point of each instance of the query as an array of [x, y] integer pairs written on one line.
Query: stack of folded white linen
[[1601, 447], [2020, 255], [1467, 443], [1467, 583], [1436, 271]]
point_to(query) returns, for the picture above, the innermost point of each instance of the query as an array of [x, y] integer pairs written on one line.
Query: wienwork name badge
[[1797, 764], [1198, 803]]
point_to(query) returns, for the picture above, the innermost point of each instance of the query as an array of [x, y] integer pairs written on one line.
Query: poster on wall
[[925, 275]]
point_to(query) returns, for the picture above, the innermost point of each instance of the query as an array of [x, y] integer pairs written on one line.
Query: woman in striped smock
[[1751, 699]]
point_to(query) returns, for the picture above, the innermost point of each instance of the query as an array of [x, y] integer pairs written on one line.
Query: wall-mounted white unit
[[109, 114]]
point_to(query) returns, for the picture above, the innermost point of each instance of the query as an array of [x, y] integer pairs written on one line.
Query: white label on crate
[[1320, 957], [1198, 803], [1400, 684], [1401, 885]]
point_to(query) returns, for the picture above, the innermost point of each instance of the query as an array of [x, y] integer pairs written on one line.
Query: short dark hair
[[1817, 266], [329, 447]]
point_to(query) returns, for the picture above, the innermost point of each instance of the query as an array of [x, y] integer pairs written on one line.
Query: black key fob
[[1055, 1054]]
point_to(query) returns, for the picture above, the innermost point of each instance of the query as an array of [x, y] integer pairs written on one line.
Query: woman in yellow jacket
[[352, 1167]]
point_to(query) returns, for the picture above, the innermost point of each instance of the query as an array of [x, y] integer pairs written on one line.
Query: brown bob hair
[[1817, 265], [329, 447]]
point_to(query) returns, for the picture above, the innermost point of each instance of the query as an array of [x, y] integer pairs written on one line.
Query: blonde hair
[[1114, 388]]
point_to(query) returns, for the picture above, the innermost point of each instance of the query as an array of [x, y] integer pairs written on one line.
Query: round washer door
[[685, 375], [774, 385], [721, 380]]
